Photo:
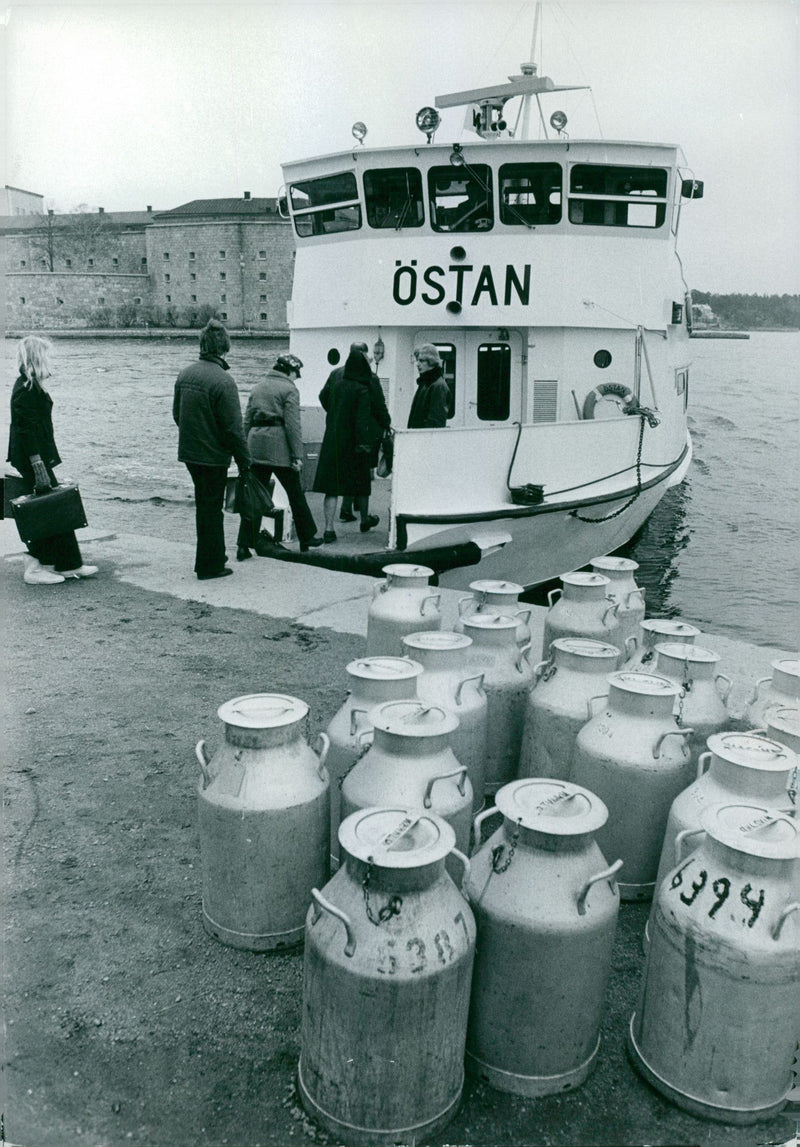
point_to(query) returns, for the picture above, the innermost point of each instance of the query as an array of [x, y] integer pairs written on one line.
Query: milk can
[[403, 603], [633, 755], [780, 691], [783, 725], [624, 590], [490, 596], [264, 810], [582, 610], [716, 1026], [390, 943], [702, 700], [545, 903], [740, 768], [372, 680], [449, 682], [410, 763], [642, 651], [507, 677], [558, 704]]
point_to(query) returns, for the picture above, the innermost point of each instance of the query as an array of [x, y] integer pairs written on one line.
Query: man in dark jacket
[[429, 408], [208, 414]]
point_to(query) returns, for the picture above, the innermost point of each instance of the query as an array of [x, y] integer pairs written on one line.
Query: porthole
[[602, 358], [334, 358]]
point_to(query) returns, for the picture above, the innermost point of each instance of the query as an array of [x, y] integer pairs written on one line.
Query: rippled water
[[721, 550]]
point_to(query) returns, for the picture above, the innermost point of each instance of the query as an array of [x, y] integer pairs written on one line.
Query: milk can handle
[[462, 783], [524, 654], [671, 733], [724, 696], [629, 652], [354, 715], [788, 910], [479, 686], [761, 681], [478, 821], [321, 903], [200, 753], [381, 587], [539, 668], [702, 762], [429, 597], [466, 864], [597, 697], [526, 609], [362, 748], [613, 608], [638, 590], [606, 874], [550, 601], [462, 603], [324, 742], [680, 838]]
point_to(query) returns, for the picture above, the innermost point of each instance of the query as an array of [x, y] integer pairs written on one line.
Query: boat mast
[[530, 69]]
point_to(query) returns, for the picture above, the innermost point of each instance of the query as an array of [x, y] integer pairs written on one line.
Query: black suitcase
[[55, 512]]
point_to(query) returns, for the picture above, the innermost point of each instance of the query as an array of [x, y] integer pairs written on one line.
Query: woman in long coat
[[344, 457]]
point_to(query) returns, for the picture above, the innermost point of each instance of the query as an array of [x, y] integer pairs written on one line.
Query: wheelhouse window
[[610, 196], [461, 199], [394, 197], [530, 193], [326, 206], [494, 382]]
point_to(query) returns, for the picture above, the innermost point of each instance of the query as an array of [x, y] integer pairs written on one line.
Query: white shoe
[[36, 574], [82, 571]]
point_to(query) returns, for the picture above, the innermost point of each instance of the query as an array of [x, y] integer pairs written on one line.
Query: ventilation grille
[[545, 400]]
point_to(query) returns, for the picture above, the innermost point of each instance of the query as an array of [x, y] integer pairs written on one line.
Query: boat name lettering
[[467, 283]]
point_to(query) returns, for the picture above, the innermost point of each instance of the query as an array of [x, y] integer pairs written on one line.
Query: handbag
[[56, 511], [385, 455], [252, 498]]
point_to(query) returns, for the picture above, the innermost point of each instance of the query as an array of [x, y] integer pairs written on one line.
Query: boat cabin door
[[483, 373]]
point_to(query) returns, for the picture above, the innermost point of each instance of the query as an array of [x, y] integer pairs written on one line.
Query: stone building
[[229, 257], [15, 201]]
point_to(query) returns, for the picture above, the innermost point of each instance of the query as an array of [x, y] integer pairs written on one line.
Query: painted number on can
[[721, 888], [417, 946], [387, 961], [444, 949]]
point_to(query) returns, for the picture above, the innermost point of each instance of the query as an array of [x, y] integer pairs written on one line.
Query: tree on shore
[[81, 234], [752, 312]]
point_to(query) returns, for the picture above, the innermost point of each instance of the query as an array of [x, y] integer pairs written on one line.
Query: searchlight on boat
[[359, 131], [558, 120], [428, 120]]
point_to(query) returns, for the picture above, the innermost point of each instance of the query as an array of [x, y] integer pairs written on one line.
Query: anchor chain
[[391, 908]]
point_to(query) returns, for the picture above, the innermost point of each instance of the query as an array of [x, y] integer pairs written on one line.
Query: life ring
[[617, 389]]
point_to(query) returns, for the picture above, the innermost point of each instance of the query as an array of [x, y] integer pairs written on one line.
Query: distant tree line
[[753, 312]]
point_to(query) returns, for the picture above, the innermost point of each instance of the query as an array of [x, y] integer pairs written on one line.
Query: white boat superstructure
[[546, 274]]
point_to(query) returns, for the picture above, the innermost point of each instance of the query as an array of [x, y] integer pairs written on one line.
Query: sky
[[121, 105]]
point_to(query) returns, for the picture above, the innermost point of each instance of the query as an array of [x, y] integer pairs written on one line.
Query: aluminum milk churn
[[403, 603], [545, 903], [372, 680], [780, 691], [634, 757], [390, 943], [264, 809], [558, 704], [623, 589], [507, 678], [716, 1026], [740, 768], [783, 725], [582, 610], [652, 630], [702, 700], [410, 764], [490, 596], [448, 681]]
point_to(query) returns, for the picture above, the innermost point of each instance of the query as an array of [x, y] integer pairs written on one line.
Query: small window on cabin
[[461, 200], [166, 256], [223, 275], [144, 260], [137, 299], [394, 197], [606, 196], [168, 298], [530, 193], [326, 206], [222, 254], [166, 278], [494, 382]]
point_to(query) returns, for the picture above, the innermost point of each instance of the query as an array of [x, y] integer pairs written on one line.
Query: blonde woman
[[32, 451]]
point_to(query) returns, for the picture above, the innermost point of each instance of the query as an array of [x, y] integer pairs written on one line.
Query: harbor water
[[720, 551]]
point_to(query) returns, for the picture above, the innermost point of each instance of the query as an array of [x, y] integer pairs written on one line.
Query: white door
[[483, 373]]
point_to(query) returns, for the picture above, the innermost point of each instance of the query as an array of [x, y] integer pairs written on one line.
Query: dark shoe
[[328, 537], [345, 517], [224, 572], [312, 543], [371, 521], [242, 554]]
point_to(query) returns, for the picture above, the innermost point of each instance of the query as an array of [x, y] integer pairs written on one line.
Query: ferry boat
[[546, 274]]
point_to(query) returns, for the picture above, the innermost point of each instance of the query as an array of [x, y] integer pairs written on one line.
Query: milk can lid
[[489, 621], [751, 751], [396, 837], [687, 652], [262, 711], [412, 718], [585, 647], [581, 578], [405, 569], [670, 627], [785, 721], [615, 564], [753, 829], [645, 684], [787, 665], [437, 639], [488, 585], [557, 807], [384, 668]]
